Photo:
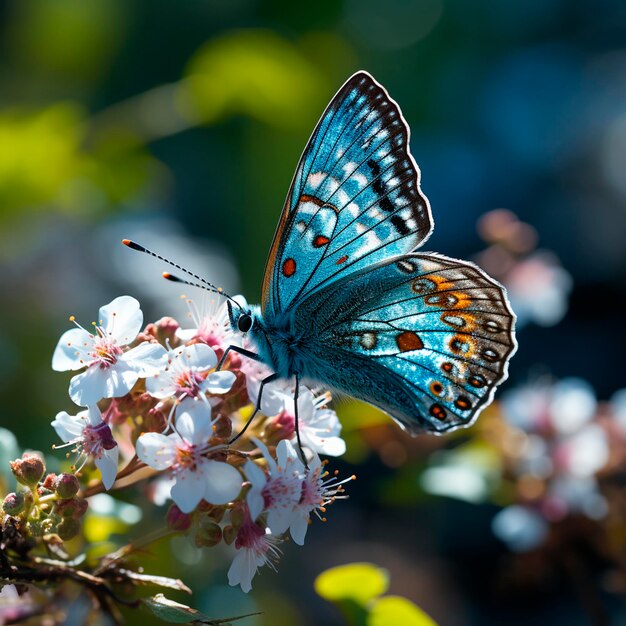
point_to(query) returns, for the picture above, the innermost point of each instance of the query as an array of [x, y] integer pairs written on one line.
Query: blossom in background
[[90, 437], [13, 607], [111, 372], [185, 375], [256, 547], [184, 452]]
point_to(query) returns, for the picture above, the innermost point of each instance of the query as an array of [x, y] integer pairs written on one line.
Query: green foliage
[[356, 590], [254, 73]]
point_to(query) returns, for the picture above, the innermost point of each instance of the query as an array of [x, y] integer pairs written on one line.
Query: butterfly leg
[[295, 406], [257, 408], [251, 355]]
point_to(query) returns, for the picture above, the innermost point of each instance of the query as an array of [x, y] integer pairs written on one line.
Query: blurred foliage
[[356, 590]]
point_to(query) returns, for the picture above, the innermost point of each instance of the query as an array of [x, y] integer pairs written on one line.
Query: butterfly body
[[348, 302]]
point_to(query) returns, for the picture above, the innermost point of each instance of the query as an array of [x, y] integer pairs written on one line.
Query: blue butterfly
[[348, 302]]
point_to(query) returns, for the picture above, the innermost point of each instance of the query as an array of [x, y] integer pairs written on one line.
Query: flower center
[[188, 457], [96, 439], [252, 537], [188, 383], [105, 351]]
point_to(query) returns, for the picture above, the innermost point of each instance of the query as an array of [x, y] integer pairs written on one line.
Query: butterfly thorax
[[281, 345]]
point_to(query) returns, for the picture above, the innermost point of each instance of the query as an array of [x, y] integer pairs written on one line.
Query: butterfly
[[349, 302]]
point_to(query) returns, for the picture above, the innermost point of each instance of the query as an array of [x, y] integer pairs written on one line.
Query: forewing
[[354, 200], [425, 337]]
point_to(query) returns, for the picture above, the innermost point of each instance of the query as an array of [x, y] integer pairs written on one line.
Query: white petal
[[72, 351], [156, 450], [298, 527], [271, 463], [198, 355], [121, 319], [188, 490], [69, 427], [219, 382], [285, 453], [147, 359], [331, 446], [255, 474], [161, 386], [96, 383], [107, 465], [242, 570], [256, 503], [94, 415], [223, 482], [193, 422]]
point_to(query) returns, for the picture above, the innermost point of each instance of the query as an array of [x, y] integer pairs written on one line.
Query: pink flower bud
[[71, 508], [164, 330], [13, 504], [177, 520], [66, 485], [28, 470], [48, 481]]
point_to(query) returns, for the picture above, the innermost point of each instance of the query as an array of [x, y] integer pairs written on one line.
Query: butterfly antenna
[[201, 284]]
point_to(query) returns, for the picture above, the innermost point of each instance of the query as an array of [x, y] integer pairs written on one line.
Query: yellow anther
[[72, 318]]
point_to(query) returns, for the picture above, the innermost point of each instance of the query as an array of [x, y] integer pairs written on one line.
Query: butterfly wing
[[422, 336], [354, 200]]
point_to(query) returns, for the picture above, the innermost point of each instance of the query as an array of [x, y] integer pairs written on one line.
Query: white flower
[[319, 426], [186, 375], [277, 492], [289, 493], [91, 437], [110, 372], [211, 325], [255, 547], [184, 453]]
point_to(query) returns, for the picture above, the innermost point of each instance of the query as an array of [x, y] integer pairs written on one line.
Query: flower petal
[[156, 450], [188, 489], [69, 427], [285, 453], [223, 482], [299, 526], [147, 359], [96, 383], [242, 570], [107, 464], [198, 355], [121, 319], [219, 382], [72, 351], [193, 421]]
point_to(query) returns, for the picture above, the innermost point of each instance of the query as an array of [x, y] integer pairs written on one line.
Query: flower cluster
[[154, 404]]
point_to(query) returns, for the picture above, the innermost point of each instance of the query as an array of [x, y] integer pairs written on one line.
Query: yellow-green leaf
[[395, 610], [360, 582]]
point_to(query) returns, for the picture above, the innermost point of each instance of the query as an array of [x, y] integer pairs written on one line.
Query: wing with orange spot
[[354, 200], [424, 337]]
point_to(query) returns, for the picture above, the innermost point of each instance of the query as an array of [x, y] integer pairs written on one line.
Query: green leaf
[[360, 582], [176, 613], [395, 610]]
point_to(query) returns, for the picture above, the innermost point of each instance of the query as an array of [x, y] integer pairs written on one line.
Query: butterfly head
[[241, 317]]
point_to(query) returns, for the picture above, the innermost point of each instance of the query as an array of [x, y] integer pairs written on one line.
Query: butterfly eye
[[244, 323]]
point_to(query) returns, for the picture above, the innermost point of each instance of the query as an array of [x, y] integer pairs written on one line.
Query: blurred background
[[180, 124]]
